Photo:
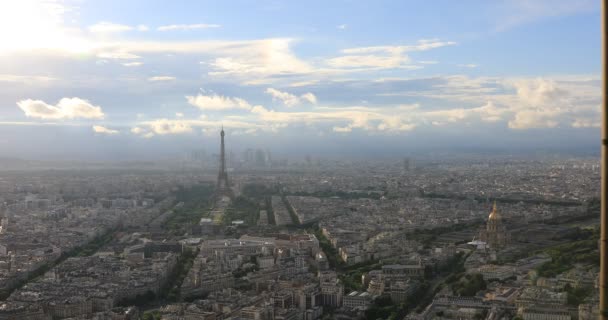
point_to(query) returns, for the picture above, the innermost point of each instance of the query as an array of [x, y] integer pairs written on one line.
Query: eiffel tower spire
[[223, 184]]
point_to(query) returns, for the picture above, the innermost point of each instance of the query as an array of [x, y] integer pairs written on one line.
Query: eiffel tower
[[223, 184]]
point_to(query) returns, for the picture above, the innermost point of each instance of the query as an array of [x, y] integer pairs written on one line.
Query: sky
[[145, 78]]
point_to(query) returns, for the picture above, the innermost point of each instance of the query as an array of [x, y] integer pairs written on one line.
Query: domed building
[[495, 235]]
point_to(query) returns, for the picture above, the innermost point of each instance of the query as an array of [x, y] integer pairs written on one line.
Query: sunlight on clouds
[[38, 24], [109, 27], [187, 27], [133, 64], [119, 55], [161, 78], [67, 108], [517, 104], [586, 123], [343, 129], [262, 58], [384, 56], [216, 102], [289, 99], [104, 130]]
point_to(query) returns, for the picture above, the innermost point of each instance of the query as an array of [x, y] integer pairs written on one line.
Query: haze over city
[[303, 160], [109, 80]]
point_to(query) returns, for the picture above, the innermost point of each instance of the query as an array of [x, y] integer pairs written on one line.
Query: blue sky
[[151, 78]]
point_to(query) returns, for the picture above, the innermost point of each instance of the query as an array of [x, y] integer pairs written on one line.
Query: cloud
[[133, 64], [364, 118], [342, 26], [384, 57], [161, 78], [104, 130], [26, 79], [216, 102], [109, 27], [261, 58], [289, 99], [512, 14], [392, 60], [118, 55], [538, 91], [395, 124], [586, 123], [311, 98], [468, 65], [165, 126], [343, 129], [528, 119], [137, 130], [168, 126], [304, 83], [513, 103], [421, 45], [66, 108], [173, 27], [521, 103]]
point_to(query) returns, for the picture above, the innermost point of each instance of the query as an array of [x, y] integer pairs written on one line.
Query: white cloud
[[137, 130], [384, 57], [393, 60], [187, 26], [29, 24], [109, 27], [216, 102], [311, 98], [422, 45], [529, 119], [67, 108], [26, 79], [289, 99], [104, 130], [468, 65], [168, 126], [342, 26], [118, 55], [164, 126], [133, 64], [518, 104], [586, 123], [304, 83], [515, 13], [486, 113], [521, 103], [258, 60], [161, 78], [179, 115], [343, 129], [364, 118], [395, 124]]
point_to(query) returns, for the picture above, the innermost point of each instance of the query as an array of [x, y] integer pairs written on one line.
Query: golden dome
[[494, 214]]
